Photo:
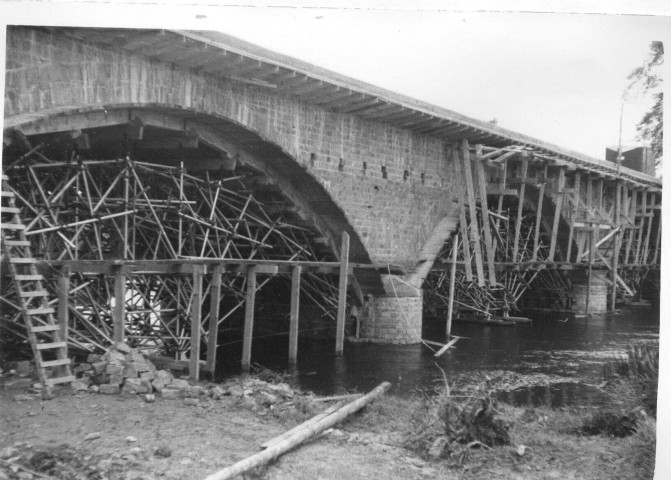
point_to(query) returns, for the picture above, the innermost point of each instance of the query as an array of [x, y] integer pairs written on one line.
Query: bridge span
[[180, 147]]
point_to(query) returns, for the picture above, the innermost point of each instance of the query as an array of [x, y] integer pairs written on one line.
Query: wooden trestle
[[590, 224], [132, 250]]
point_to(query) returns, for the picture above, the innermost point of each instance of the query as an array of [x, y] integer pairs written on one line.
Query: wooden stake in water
[[450, 305]]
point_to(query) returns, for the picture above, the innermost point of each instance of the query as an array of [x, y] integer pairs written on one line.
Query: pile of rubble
[[127, 371]]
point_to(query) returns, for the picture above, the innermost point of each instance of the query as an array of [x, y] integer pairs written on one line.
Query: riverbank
[[124, 437]]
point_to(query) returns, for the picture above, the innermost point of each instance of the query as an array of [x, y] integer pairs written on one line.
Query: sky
[[559, 78], [556, 77]]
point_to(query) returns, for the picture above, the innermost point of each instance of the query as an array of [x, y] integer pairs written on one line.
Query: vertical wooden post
[[196, 305], [559, 197], [468, 268], [213, 329], [520, 207], [342, 294], [599, 194], [632, 231], [62, 312], [119, 309], [574, 214], [616, 242], [644, 209], [539, 214], [293, 316], [484, 209], [592, 247], [249, 319], [658, 234], [450, 305], [475, 230], [650, 216]]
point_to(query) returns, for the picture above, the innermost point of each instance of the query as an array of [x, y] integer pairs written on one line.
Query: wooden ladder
[[44, 333]]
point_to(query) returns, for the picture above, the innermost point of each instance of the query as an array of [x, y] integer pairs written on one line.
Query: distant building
[[636, 158]]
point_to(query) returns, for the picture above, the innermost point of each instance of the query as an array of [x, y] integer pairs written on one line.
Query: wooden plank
[[646, 245], [462, 214], [119, 308], [62, 313], [450, 305], [293, 315], [196, 305], [484, 210], [213, 329], [558, 206], [639, 243], [632, 231], [658, 237], [539, 217], [520, 207], [616, 241], [249, 319], [342, 294], [574, 213], [470, 192]]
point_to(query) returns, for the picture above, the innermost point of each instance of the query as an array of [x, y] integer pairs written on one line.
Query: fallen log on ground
[[301, 435]]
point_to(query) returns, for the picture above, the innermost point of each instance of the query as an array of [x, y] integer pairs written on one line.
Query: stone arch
[[309, 195]]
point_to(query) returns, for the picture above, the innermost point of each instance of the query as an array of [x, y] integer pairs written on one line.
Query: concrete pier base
[[392, 320], [598, 292]]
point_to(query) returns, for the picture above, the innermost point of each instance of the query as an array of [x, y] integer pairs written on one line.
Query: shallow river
[[553, 344]]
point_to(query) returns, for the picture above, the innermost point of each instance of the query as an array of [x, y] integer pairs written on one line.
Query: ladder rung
[[50, 346], [5, 177], [45, 328], [6, 194], [10, 209], [39, 311], [28, 277], [55, 381], [56, 363], [22, 260], [13, 226], [17, 243], [34, 293]]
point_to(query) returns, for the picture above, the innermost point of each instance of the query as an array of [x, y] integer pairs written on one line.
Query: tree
[[648, 78]]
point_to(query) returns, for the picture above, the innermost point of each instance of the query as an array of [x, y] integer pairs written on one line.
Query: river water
[[554, 345]]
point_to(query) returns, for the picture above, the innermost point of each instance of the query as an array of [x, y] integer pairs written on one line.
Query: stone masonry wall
[[47, 72], [392, 320]]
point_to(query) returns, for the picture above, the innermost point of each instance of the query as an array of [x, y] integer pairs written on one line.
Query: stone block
[[79, 386], [171, 393], [129, 371], [148, 375], [109, 389], [135, 386], [113, 357], [93, 358], [164, 376], [112, 369], [99, 367], [122, 347], [82, 367], [179, 384]]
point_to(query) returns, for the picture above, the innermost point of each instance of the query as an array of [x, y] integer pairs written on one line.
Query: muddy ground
[[116, 437]]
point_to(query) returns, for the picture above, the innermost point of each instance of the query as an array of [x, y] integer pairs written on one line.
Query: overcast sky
[[557, 77]]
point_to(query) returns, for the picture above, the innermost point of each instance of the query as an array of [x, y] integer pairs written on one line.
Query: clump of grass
[[634, 377], [452, 425]]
